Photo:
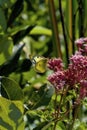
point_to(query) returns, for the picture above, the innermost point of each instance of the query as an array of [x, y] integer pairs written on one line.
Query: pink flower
[[55, 64], [82, 47], [77, 70], [85, 48], [57, 79], [75, 74], [85, 39], [79, 42]]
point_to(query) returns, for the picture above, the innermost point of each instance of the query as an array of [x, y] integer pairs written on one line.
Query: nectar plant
[[70, 84]]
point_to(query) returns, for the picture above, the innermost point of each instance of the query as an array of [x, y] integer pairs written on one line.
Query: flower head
[[79, 41], [77, 70], [55, 64], [85, 39], [82, 47], [57, 79], [76, 73]]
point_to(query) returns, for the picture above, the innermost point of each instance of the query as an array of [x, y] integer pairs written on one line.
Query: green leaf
[[5, 46], [4, 3], [40, 126], [10, 89], [79, 125], [16, 29], [37, 30], [45, 97], [16, 10], [2, 20], [39, 115], [11, 65], [11, 115], [61, 125], [41, 31], [47, 126], [21, 34]]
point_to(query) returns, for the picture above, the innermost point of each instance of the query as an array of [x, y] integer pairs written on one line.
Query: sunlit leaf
[[11, 115], [41, 31], [11, 89]]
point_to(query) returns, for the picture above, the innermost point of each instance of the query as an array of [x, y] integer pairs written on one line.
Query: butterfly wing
[[40, 66]]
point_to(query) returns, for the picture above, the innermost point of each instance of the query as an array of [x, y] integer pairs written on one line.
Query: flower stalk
[[70, 84]]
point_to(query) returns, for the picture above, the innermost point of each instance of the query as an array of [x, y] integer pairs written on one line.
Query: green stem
[[76, 109], [55, 107], [73, 25], [57, 47], [64, 32], [81, 18], [57, 110]]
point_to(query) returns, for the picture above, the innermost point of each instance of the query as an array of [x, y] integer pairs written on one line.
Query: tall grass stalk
[[64, 31], [56, 39]]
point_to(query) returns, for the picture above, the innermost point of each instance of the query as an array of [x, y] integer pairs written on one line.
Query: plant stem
[[55, 107], [76, 109], [59, 106], [74, 13], [57, 47], [70, 25], [81, 18], [64, 33]]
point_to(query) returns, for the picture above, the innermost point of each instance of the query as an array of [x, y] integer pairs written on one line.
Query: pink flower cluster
[[58, 77], [55, 64], [77, 70], [75, 74], [82, 47]]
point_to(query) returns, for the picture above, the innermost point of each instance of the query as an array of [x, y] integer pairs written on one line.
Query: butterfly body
[[39, 63]]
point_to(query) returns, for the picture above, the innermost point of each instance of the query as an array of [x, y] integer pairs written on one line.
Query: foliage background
[[26, 100]]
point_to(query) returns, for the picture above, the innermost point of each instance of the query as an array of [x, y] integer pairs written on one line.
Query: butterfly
[[39, 64]]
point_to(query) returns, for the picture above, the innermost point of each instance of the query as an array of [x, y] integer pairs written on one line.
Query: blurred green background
[[47, 28]]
